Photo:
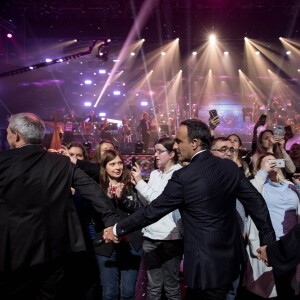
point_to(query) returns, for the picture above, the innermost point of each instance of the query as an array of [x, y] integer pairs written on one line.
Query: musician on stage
[[92, 117], [144, 129]]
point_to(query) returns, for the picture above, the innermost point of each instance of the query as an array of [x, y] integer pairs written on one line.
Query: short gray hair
[[30, 127]]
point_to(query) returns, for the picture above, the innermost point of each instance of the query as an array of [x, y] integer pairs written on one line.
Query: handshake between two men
[[109, 235]]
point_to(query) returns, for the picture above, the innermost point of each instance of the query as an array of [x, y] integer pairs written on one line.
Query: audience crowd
[[147, 263]]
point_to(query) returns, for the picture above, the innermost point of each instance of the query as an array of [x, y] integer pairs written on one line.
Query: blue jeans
[[118, 273]]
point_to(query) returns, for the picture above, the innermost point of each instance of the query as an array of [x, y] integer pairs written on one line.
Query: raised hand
[[214, 122], [136, 174]]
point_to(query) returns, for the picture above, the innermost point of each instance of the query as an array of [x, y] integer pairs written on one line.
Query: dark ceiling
[[38, 25], [170, 19]]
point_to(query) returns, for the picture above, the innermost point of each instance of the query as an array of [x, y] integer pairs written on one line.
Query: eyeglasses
[[224, 149], [159, 151]]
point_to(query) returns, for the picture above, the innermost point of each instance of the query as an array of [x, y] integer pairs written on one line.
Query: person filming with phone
[[272, 142], [283, 204]]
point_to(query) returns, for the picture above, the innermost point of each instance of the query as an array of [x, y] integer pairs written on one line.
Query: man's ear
[[196, 144], [17, 137]]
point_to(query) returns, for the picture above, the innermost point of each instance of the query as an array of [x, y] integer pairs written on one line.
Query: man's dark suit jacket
[[206, 193], [38, 221], [284, 255]]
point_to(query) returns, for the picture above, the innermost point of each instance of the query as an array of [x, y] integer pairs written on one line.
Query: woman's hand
[[214, 122], [116, 190], [280, 140], [136, 174], [267, 165], [296, 178]]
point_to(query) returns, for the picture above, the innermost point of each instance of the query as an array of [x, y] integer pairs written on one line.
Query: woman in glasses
[[163, 244]]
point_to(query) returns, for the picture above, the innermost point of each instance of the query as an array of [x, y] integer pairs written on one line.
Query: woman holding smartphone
[[283, 204], [163, 244], [269, 143]]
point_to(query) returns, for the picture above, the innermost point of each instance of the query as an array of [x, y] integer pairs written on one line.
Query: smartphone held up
[[279, 163], [213, 118]]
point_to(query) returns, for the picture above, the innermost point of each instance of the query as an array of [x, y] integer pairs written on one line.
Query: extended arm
[[169, 200], [256, 207], [91, 191]]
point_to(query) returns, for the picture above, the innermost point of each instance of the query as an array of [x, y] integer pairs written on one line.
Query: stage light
[[102, 114], [257, 53], [88, 81], [163, 53], [288, 52], [132, 54], [102, 71], [9, 35], [116, 93], [87, 104], [102, 52], [226, 53], [212, 38], [194, 53], [144, 103]]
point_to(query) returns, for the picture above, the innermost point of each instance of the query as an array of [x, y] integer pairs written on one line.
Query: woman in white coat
[[163, 244]]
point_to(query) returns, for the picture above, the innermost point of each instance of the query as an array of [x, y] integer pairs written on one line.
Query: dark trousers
[[146, 140], [73, 278], [209, 294], [284, 288], [36, 283], [162, 260]]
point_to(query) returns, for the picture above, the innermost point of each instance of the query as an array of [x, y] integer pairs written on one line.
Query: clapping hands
[[115, 190]]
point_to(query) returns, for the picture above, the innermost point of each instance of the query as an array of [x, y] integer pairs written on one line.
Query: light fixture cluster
[[49, 62]]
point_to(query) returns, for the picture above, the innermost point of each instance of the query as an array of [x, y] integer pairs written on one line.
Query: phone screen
[[279, 131]]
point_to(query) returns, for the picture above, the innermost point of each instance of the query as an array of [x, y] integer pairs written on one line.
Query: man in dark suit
[[284, 254], [38, 222], [205, 191]]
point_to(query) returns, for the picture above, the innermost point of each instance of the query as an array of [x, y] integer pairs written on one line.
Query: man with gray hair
[[38, 223]]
